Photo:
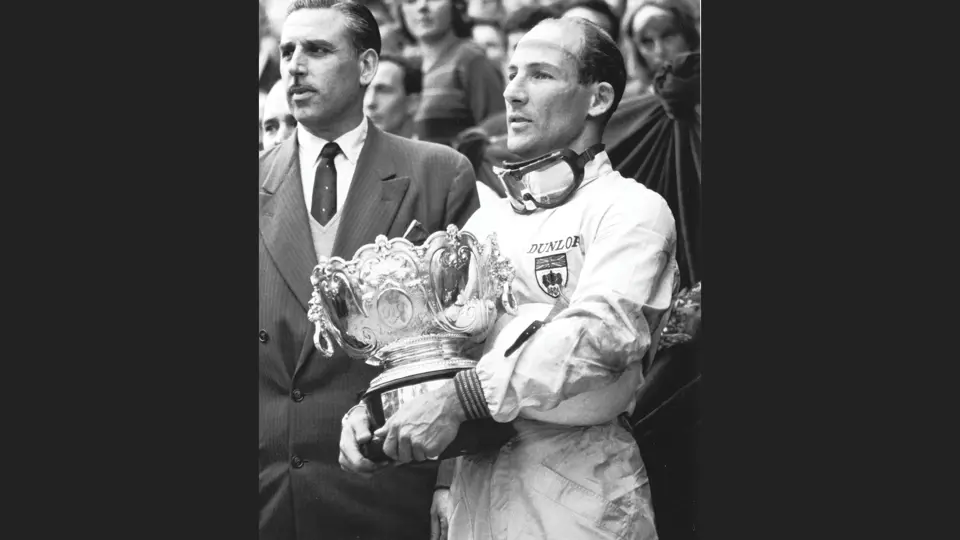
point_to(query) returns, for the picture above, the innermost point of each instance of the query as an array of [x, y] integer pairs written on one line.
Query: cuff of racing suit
[[470, 395]]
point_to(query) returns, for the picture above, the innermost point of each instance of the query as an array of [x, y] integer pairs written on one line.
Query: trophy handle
[[373, 450], [475, 436], [321, 338], [353, 346], [509, 300], [502, 274], [318, 315]]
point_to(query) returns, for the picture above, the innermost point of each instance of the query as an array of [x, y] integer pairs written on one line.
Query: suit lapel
[[374, 197], [284, 224]]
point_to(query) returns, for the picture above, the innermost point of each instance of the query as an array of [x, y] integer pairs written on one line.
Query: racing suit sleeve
[[625, 288]]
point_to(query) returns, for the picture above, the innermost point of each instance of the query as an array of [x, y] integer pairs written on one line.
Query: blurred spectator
[[380, 11], [618, 7], [269, 54], [487, 34], [278, 122], [276, 14], [511, 6], [264, 22], [394, 41], [392, 38], [394, 95], [491, 10], [659, 31], [598, 12], [263, 98], [461, 87]]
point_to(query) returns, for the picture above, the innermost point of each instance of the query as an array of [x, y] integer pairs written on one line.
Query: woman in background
[[461, 86], [657, 32]]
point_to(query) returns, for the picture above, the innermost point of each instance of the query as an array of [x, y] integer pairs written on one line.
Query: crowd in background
[[443, 62]]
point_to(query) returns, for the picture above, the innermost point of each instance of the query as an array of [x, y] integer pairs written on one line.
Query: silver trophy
[[416, 312]]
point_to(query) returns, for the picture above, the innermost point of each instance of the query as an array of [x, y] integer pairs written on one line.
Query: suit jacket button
[[297, 462], [297, 395], [264, 336]]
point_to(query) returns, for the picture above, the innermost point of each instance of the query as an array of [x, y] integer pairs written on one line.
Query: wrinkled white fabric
[[554, 482], [609, 255], [610, 250]]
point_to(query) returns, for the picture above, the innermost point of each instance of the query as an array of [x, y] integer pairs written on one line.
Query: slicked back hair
[[363, 28]]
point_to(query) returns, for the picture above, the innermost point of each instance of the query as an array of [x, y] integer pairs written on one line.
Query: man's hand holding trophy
[[419, 313]]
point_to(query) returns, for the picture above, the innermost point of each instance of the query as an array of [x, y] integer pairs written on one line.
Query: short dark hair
[[462, 26], [412, 76], [601, 7], [683, 16], [600, 60], [363, 28], [525, 18]]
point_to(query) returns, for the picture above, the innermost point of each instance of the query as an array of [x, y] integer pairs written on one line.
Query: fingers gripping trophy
[[416, 312]]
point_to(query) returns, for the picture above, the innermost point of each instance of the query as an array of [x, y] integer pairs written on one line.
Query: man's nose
[[514, 92], [295, 66]]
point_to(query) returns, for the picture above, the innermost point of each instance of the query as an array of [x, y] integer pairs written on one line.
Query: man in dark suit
[[332, 187]]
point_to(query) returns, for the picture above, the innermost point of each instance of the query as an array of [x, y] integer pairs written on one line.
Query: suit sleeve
[[462, 198], [625, 288]]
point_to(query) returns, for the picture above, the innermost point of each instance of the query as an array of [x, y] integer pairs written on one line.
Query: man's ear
[[602, 99], [413, 103], [369, 61]]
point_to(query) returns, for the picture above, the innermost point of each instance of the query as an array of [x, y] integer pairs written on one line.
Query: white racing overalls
[[609, 252]]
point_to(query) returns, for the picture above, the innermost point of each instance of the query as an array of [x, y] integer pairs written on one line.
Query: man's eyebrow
[[541, 65], [316, 43], [534, 65]]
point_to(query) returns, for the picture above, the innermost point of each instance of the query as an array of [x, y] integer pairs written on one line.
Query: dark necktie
[[325, 185]]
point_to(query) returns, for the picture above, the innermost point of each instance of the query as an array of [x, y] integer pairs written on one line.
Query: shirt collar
[[598, 166], [350, 143]]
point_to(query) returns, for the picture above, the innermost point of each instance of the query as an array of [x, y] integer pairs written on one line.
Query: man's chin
[[309, 113], [519, 144]]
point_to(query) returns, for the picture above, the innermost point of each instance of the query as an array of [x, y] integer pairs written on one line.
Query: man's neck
[[432, 48], [332, 132], [590, 136], [404, 129]]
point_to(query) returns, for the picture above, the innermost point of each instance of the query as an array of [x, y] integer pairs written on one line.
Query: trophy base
[[473, 437]]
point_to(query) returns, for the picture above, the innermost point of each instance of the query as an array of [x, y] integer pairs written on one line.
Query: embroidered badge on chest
[[551, 273]]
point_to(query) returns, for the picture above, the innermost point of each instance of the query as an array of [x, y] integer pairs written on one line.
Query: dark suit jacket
[[303, 396]]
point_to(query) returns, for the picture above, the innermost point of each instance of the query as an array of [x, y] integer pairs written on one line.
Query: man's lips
[[299, 90], [518, 119]]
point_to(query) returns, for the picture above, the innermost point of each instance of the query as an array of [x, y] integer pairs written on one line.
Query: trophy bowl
[[415, 312]]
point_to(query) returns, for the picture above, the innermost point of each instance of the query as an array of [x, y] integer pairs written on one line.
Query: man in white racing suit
[[594, 254]]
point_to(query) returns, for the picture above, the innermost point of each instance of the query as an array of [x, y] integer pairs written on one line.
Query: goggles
[[546, 181]]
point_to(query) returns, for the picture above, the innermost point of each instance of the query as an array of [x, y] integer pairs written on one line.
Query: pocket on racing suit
[[597, 478]]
